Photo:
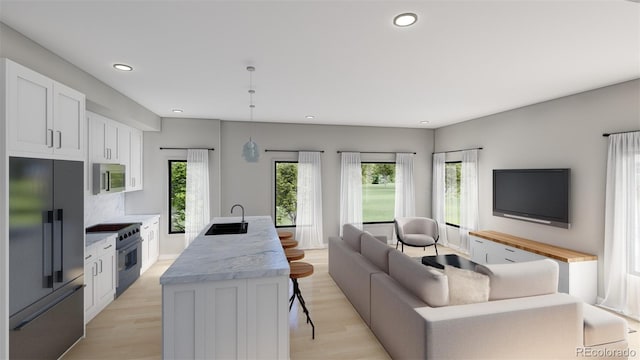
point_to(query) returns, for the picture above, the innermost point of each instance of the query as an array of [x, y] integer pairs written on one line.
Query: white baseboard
[[168, 256]]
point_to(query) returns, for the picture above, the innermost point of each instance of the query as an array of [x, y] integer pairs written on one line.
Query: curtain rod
[[273, 150], [444, 152], [184, 148], [378, 152], [620, 132]]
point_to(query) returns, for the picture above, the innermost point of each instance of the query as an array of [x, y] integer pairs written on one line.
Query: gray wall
[[154, 198], [561, 133], [251, 184], [101, 98]]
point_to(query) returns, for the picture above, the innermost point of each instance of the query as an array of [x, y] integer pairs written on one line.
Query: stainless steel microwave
[[108, 178]]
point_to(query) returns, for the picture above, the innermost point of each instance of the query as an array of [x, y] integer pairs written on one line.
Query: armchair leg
[[436, 246], [397, 242]]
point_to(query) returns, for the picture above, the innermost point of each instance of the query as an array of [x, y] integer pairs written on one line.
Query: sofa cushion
[[375, 251], [424, 282], [522, 279], [602, 327], [465, 286], [351, 235]]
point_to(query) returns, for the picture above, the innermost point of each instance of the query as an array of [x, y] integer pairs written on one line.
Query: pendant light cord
[[252, 91]]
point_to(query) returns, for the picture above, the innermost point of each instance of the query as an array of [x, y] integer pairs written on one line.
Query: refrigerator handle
[[58, 264], [108, 180], [47, 249]]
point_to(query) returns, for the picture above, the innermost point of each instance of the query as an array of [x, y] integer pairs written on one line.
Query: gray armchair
[[417, 231]]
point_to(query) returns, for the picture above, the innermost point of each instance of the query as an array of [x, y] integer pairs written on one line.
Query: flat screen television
[[536, 195]]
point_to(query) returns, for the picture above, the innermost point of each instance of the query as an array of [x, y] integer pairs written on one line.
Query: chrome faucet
[[241, 207]]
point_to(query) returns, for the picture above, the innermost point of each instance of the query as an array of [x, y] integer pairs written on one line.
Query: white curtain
[[309, 207], [468, 197], [351, 190], [405, 204], [197, 197], [622, 225], [438, 196]]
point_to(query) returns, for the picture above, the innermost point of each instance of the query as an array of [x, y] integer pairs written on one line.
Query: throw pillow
[[466, 287]]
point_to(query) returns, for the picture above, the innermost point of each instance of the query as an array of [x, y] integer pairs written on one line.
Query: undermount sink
[[228, 228]]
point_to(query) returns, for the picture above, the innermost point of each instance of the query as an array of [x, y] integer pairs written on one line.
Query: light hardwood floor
[[130, 327]]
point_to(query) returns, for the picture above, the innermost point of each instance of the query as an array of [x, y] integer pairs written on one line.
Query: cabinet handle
[[509, 260], [110, 245], [510, 250], [100, 266], [59, 139], [486, 258], [49, 137], [478, 241], [88, 257], [95, 269]]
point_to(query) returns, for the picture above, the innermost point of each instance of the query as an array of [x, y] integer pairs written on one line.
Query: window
[[177, 195], [452, 193], [378, 192], [286, 201]]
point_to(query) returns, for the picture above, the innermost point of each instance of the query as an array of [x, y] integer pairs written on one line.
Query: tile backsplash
[[98, 208]]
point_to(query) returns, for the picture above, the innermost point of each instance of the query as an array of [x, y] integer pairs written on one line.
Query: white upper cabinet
[[135, 160], [104, 138], [111, 142], [45, 118]]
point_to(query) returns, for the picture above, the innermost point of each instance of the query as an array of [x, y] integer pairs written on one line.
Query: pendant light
[[250, 150]]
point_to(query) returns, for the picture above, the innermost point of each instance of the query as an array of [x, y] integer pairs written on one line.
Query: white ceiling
[[341, 61]]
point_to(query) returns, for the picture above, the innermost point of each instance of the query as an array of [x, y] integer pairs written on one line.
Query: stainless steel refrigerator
[[46, 264]]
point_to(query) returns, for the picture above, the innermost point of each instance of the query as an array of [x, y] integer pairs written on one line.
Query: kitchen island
[[226, 296]]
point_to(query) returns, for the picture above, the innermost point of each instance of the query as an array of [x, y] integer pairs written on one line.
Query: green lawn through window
[[378, 202]]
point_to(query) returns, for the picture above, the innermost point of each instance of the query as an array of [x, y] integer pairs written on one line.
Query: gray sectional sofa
[[406, 305]]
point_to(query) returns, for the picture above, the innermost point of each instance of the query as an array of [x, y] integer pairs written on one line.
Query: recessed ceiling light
[[177, 110], [406, 19], [309, 117], [123, 67], [424, 122]]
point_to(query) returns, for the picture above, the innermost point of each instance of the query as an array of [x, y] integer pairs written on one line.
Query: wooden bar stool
[[288, 243], [293, 254], [285, 235], [299, 270]]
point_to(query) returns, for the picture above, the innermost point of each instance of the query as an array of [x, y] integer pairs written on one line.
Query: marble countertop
[[256, 254], [93, 238]]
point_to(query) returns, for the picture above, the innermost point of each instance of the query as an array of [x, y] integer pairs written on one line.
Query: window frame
[[445, 187], [378, 222], [169, 193], [275, 192]]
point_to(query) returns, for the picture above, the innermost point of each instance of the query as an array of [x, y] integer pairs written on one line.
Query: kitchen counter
[[256, 254], [226, 296], [93, 238]]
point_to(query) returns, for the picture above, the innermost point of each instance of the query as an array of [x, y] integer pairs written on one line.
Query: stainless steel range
[[128, 246]]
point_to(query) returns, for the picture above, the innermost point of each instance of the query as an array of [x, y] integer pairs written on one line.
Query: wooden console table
[[578, 271]]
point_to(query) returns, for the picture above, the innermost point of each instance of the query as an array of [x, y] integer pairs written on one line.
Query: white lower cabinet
[[100, 266], [577, 276], [229, 319], [149, 232]]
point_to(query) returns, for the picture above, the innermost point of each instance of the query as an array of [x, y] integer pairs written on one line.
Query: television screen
[[537, 195]]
